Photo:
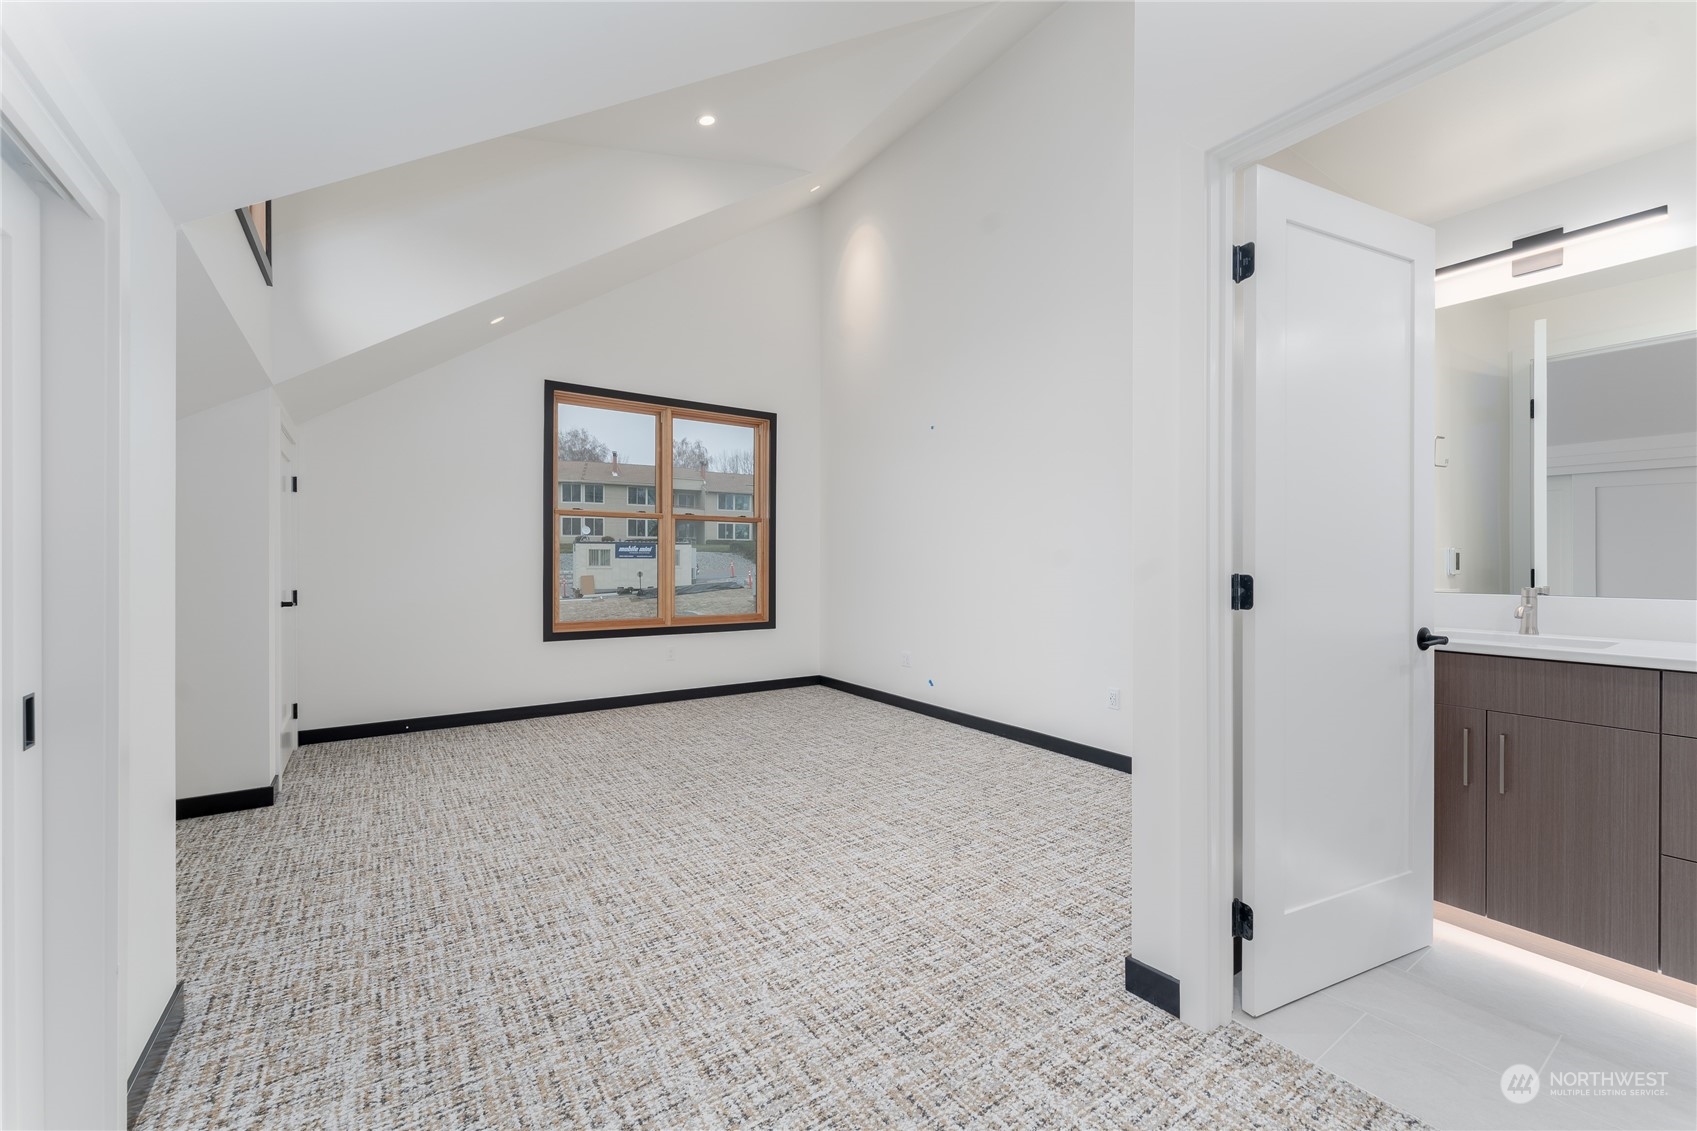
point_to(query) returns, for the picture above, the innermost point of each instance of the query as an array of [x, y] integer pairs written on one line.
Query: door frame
[[1211, 877], [83, 688]]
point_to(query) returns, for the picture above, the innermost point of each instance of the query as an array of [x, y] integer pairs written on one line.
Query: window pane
[[574, 528], [716, 579], [605, 458], [710, 459], [607, 581]]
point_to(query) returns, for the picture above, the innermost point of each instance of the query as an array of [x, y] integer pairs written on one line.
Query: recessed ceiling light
[[706, 120], [815, 188], [497, 318]]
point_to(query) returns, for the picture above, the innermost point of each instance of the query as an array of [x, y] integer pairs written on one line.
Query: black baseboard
[[152, 1056], [1094, 754], [1154, 987], [209, 804], [543, 710]]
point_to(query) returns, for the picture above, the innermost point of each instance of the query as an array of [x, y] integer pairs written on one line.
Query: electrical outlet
[[1113, 698], [907, 659]]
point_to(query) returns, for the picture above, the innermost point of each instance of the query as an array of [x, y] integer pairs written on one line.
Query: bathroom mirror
[[1567, 436]]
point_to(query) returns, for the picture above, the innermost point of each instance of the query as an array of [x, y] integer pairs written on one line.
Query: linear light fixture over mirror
[[1553, 241]]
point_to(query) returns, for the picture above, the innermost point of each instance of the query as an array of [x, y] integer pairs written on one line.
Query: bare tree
[[735, 462], [689, 453], [576, 443]]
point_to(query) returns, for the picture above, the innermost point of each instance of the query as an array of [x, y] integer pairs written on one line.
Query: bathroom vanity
[[1566, 794]]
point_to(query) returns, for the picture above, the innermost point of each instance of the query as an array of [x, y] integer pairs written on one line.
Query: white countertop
[[1668, 655]]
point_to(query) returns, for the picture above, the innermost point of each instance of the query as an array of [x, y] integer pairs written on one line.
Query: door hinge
[[1243, 592], [294, 483], [29, 720], [294, 710], [1243, 261], [1243, 921], [1532, 409]]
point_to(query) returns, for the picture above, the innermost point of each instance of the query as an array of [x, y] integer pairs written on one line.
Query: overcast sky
[[632, 434]]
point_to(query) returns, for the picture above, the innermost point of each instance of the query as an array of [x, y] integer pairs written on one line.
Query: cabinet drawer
[[1628, 698], [1679, 797], [1679, 703], [1679, 918]]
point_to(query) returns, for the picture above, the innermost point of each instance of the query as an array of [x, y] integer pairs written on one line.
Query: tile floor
[[1433, 1033]]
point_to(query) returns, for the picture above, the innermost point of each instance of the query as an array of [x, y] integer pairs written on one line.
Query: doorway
[[1478, 1017]]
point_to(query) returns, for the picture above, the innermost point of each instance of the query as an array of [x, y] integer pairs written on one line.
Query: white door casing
[[1336, 496], [22, 890], [288, 726]]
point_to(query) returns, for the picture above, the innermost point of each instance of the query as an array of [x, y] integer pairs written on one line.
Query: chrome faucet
[[1527, 612]]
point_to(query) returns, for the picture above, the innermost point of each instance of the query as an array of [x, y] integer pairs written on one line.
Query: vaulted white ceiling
[[1600, 86], [436, 166], [229, 103]]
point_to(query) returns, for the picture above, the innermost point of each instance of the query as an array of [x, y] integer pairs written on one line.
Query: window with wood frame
[[670, 475]]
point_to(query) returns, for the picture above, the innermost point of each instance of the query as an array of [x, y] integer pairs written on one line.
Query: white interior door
[[22, 740], [1336, 520]]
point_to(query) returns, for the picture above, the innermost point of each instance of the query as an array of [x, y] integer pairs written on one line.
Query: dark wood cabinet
[[1458, 793], [1629, 698], [1679, 703], [1584, 803], [1679, 918], [1679, 796], [1572, 824]]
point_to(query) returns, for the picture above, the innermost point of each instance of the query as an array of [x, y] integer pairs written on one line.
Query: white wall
[[109, 334], [422, 525], [225, 597], [221, 246], [147, 617], [977, 363]]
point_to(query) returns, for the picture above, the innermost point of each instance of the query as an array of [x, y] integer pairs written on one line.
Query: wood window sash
[[667, 514]]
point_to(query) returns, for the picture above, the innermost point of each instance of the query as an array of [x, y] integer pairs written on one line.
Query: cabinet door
[[1679, 918], [1459, 775], [1679, 797], [1571, 830]]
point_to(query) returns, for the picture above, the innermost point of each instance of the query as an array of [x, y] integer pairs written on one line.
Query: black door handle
[[1425, 639], [295, 599]]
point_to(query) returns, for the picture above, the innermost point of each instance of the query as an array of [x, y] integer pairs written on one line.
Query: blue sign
[[636, 549]]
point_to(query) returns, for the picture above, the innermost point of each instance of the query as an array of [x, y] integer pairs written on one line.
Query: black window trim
[[550, 567]]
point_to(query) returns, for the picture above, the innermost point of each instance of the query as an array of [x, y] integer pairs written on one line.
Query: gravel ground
[[609, 608], [722, 602], [711, 566]]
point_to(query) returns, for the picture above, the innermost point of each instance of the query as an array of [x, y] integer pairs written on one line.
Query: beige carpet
[[797, 909]]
